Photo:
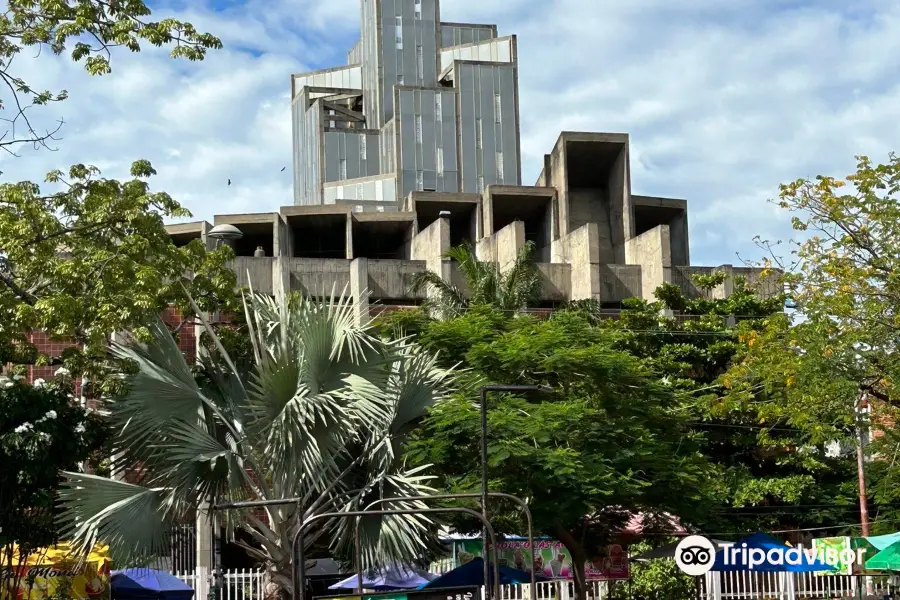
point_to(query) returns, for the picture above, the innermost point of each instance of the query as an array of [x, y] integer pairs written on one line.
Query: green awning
[[886, 560]]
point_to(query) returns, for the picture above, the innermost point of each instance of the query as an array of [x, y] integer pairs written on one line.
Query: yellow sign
[[56, 573]]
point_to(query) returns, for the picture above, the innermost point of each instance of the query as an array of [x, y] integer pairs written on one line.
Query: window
[[439, 161], [499, 167], [479, 140], [496, 108], [420, 180], [420, 62], [418, 129], [438, 112], [398, 32], [342, 165]]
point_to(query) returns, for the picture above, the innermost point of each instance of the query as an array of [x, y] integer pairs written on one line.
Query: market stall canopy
[[142, 583], [472, 573], [765, 542], [886, 560], [667, 551], [883, 541], [398, 578]]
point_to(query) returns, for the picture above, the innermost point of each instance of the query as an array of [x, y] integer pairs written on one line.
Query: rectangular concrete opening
[[648, 217], [319, 236], [462, 218], [536, 212], [388, 239], [184, 238], [255, 235]]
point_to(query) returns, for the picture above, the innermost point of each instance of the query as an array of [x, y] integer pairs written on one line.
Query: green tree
[[93, 259], [606, 443], [96, 27], [696, 346], [843, 279], [658, 579], [42, 431], [506, 287], [319, 414]]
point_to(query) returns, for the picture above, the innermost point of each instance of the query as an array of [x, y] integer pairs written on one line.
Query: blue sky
[[723, 100]]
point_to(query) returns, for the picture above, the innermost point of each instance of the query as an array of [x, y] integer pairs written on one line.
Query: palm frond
[[134, 521]]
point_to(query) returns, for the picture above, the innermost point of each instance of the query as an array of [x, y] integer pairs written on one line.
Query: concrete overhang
[[184, 233], [250, 223], [508, 203], [676, 204]]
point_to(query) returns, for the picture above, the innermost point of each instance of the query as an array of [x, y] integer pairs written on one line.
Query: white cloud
[[723, 101]]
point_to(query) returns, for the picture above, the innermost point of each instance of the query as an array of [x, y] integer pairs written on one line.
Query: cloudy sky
[[723, 100]]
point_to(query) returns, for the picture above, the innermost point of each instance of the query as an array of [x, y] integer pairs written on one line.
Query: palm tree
[[318, 415], [510, 289]]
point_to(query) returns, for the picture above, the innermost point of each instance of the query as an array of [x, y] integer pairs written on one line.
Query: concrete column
[[581, 249], [281, 276], [204, 553], [726, 288], [359, 289], [651, 250], [510, 241], [282, 244]]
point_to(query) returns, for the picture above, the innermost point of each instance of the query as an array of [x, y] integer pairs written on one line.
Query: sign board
[[550, 559], [52, 572]]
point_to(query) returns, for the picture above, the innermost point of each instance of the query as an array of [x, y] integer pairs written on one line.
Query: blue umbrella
[[397, 578], [472, 573], [765, 543], [141, 583]]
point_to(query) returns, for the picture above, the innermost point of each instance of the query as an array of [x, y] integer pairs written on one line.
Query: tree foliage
[[840, 355], [506, 287], [319, 413], [93, 259], [697, 346], [42, 430], [605, 443], [96, 27]]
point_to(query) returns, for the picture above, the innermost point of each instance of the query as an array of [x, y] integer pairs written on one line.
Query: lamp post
[[484, 453], [220, 233]]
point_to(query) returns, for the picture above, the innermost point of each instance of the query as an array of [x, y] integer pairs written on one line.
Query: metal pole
[[298, 567], [484, 480], [515, 499]]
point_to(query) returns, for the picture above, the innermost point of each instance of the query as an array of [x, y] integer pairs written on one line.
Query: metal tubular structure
[[298, 568], [515, 499], [484, 451]]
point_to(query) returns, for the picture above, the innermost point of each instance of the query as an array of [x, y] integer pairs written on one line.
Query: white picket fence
[[243, 584], [790, 586], [247, 584]]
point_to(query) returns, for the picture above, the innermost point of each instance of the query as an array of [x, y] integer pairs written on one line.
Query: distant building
[[413, 148]]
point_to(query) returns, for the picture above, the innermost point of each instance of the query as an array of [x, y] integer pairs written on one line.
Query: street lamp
[[513, 389], [224, 233]]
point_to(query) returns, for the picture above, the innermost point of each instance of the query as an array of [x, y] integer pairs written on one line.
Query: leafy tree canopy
[[88, 30], [94, 259], [604, 443], [42, 430], [840, 354]]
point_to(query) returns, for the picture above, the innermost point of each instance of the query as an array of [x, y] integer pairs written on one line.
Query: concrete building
[[413, 147]]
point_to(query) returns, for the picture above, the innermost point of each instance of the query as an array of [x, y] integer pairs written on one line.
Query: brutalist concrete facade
[[413, 148], [421, 106]]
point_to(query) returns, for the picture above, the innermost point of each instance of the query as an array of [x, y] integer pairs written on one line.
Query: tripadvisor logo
[[696, 555]]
